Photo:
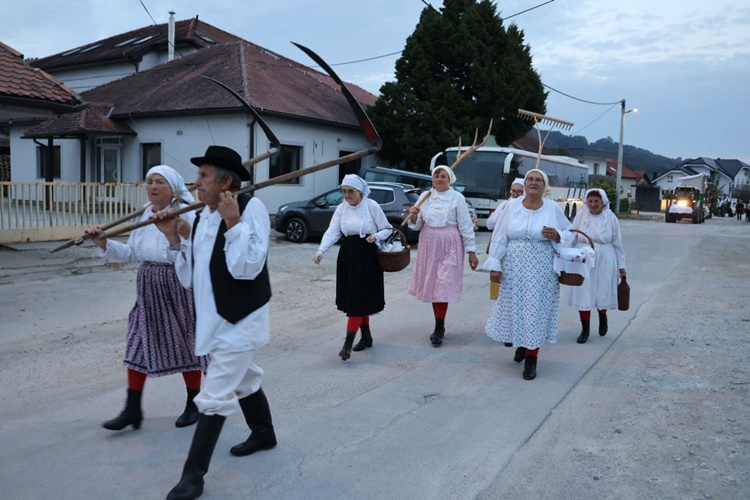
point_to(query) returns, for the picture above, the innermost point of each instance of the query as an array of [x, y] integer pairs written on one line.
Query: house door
[[108, 159]]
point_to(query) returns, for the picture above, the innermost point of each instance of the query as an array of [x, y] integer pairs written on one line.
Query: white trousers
[[230, 376]]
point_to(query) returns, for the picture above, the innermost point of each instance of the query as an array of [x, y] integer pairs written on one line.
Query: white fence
[[49, 211]]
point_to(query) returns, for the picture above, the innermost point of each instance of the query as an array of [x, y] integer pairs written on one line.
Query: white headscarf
[[546, 193], [175, 180], [518, 180], [357, 182], [451, 175], [605, 199]]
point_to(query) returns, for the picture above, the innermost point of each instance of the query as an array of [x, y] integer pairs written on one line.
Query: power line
[[582, 100], [147, 12]]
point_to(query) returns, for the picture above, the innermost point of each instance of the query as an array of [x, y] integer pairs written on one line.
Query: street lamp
[[618, 174]]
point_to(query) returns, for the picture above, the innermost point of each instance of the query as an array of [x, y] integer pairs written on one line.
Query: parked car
[[382, 174], [300, 220]]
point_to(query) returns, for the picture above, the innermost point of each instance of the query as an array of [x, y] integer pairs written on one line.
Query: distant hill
[[635, 158]]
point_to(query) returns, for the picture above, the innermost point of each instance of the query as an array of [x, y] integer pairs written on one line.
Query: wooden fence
[[50, 211]]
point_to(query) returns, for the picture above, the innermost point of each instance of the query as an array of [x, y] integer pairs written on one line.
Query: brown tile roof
[[131, 46], [91, 121], [529, 142], [24, 85], [270, 83]]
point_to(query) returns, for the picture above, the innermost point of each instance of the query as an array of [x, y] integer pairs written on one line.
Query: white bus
[[484, 177]]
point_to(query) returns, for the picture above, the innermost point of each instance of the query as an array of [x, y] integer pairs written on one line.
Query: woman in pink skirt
[[446, 232]]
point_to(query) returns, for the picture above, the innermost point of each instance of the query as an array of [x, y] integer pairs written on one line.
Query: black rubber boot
[[190, 415], [365, 340], [508, 344], [204, 441], [131, 415], [258, 417], [346, 351], [520, 354], [437, 336], [529, 368], [603, 324], [586, 328]]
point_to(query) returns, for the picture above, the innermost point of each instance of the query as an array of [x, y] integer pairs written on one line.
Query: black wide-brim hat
[[224, 157]]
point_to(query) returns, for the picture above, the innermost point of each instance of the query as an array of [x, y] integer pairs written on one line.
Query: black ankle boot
[[520, 354], [131, 415], [346, 351], [603, 324], [258, 417], [585, 328], [190, 415], [437, 336], [529, 368], [196, 466], [365, 340]]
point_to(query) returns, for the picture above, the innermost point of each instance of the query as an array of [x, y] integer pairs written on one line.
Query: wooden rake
[[547, 120], [459, 158]]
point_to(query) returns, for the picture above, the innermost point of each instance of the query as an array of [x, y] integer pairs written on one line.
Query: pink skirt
[[439, 272]]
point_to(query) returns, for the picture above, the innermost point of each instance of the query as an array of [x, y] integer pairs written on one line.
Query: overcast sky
[[685, 64]]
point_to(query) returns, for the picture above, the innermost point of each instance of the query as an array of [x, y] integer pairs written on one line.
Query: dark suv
[[301, 219]]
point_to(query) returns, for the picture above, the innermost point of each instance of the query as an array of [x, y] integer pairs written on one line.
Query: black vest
[[235, 299]]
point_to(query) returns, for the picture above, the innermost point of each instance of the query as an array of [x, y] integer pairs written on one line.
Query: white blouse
[[144, 244], [364, 219], [604, 229], [447, 207]]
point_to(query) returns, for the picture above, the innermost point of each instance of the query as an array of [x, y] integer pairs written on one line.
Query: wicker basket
[[391, 262], [572, 279]]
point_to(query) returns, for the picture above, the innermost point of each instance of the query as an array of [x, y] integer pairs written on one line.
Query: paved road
[[401, 420]]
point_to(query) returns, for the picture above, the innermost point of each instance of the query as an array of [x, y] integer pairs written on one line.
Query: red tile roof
[[92, 120], [529, 142], [626, 172], [270, 83], [25, 85], [131, 46]]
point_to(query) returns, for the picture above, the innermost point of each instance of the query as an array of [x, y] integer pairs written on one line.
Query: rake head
[[544, 119]]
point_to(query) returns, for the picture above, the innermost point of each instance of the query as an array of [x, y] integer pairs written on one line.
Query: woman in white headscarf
[[516, 190], [446, 233], [522, 253], [599, 290], [160, 338], [358, 223]]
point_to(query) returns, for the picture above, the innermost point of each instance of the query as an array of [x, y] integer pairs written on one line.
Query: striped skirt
[[439, 273], [161, 335]]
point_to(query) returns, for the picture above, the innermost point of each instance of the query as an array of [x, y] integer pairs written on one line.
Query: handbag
[[623, 295]]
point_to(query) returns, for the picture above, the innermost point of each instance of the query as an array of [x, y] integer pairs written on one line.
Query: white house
[[168, 113]]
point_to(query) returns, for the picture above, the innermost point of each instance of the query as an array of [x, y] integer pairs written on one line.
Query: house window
[[287, 161], [596, 169], [669, 178], [150, 156], [42, 160]]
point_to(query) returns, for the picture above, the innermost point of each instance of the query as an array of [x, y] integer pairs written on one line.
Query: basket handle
[[395, 229], [591, 242]]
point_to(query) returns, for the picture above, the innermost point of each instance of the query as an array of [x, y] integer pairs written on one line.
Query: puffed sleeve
[[333, 233], [381, 221], [465, 226], [499, 240], [617, 242], [246, 247], [420, 219]]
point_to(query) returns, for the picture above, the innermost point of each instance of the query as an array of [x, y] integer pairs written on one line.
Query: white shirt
[[364, 219], [144, 244], [447, 207], [246, 251]]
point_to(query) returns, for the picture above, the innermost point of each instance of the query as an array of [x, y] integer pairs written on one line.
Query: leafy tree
[[460, 68]]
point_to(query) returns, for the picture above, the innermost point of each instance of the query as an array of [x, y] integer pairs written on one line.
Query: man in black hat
[[223, 258]]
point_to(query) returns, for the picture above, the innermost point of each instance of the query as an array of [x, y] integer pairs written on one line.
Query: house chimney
[[170, 37]]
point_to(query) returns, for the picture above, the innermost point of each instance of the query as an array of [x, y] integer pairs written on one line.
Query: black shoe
[[346, 350], [366, 339], [529, 369], [131, 415], [437, 335], [256, 442], [508, 344], [584, 336], [257, 414], [190, 415], [603, 328], [520, 354], [196, 466]]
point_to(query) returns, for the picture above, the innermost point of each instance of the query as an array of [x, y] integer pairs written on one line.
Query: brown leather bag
[[623, 295]]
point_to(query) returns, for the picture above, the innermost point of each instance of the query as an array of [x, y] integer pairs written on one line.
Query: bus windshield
[[479, 175]]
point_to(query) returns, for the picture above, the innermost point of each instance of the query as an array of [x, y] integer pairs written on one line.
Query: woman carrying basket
[[446, 233], [527, 233], [599, 290], [358, 223]]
